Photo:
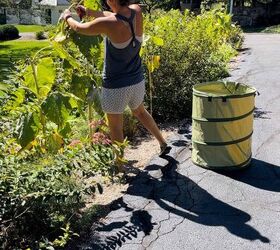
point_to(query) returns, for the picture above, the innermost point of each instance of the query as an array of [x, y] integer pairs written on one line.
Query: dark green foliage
[[8, 32], [85, 43], [27, 128], [161, 4]]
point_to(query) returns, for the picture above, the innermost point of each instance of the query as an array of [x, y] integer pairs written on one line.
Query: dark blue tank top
[[123, 67]]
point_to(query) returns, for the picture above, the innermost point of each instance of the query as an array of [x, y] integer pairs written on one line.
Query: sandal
[[164, 149]]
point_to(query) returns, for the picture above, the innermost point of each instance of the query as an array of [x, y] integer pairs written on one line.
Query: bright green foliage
[[3, 89], [43, 84], [29, 28], [12, 51], [151, 60], [92, 4], [57, 107], [195, 49]]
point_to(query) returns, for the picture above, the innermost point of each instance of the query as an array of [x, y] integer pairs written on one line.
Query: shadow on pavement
[[260, 174], [181, 196], [260, 114]]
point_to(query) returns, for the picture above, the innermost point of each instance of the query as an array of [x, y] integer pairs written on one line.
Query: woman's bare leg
[[116, 127], [149, 123]]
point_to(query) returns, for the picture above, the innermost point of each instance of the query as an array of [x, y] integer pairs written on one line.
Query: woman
[[123, 78]]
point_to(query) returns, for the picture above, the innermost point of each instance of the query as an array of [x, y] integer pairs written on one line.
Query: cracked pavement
[[174, 204]]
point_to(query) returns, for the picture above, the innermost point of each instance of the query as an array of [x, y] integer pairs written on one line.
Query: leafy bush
[[196, 49], [50, 30], [40, 35], [8, 32], [41, 193], [47, 166]]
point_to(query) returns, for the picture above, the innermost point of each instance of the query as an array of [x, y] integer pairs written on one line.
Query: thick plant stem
[[42, 117], [151, 92], [90, 111], [90, 117], [35, 78]]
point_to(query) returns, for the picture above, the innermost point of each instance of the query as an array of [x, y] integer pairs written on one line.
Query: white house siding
[[56, 7], [56, 12]]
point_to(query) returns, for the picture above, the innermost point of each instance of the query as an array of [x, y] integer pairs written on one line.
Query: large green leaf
[[57, 107], [54, 142], [27, 128], [3, 89], [64, 54], [86, 44], [17, 98], [45, 75], [92, 4], [79, 86]]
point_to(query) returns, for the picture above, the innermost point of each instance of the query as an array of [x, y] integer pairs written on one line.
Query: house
[[21, 12], [33, 12], [52, 9]]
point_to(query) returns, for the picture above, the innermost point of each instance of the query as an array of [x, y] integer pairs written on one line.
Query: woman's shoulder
[[135, 7]]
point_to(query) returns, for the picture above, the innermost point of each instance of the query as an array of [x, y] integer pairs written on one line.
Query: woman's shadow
[[181, 196], [196, 204]]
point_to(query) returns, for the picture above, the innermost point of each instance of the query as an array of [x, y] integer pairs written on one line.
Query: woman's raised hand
[[65, 14], [81, 11]]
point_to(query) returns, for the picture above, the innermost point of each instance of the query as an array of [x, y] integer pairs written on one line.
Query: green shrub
[[39, 195], [40, 35], [50, 30], [8, 32], [196, 49], [130, 124]]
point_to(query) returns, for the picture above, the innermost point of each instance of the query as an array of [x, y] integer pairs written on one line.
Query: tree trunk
[[177, 4]]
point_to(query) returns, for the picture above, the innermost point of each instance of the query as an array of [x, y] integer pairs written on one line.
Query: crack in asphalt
[[169, 212], [270, 138]]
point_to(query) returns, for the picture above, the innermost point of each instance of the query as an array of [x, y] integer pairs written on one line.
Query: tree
[[21, 4]]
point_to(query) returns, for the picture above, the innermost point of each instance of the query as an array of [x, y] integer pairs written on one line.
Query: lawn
[[269, 29], [29, 28], [12, 51]]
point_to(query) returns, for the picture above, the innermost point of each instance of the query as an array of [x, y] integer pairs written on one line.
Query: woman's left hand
[[66, 13]]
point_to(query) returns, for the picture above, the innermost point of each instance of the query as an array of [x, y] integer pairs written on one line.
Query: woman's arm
[[98, 26]]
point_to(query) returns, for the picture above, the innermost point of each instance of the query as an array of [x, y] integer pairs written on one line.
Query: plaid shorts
[[114, 101]]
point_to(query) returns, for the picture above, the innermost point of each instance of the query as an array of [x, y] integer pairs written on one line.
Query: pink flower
[[96, 124], [100, 138], [74, 143]]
